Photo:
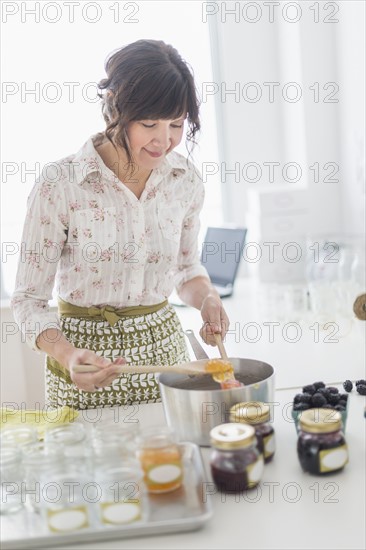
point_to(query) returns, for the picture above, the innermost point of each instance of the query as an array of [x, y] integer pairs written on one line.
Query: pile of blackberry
[[318, 395]]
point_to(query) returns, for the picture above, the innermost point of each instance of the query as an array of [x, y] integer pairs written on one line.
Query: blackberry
[[344, 396], [306, 398], [358, 382], [298, 398], [333, 398], [322, 391], [339, 407], [361, 388], [318, 385], [332, 389], [301, 406], [318, 400], [328, 406], [347, 384], [309, 389], [342, 403]]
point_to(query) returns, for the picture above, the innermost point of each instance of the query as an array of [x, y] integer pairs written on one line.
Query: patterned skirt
[[151, 339]]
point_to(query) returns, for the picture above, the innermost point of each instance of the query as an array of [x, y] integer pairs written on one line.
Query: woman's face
[[151, 140]]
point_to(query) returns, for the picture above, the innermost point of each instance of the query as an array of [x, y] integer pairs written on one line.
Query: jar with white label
[[257, 414], [123, 495], [67, 498], [236, 464], [161, 460], [321, 446]]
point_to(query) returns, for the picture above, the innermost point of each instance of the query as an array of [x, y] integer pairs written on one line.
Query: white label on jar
[[166, 473], [255, 471], [67, 520], [121, 512], [269, 445], [333, 459]]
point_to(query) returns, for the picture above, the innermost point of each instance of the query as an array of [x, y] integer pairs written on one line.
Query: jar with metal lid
[[257, 414], [160, 459], [321, 446], [11, 476], [236, 464]]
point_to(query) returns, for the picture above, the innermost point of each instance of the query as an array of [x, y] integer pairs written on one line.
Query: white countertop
[[290, 509]]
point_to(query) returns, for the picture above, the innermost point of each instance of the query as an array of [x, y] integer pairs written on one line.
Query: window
[[49, 95]]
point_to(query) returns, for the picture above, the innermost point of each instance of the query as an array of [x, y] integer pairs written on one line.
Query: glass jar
[[236, 464], [17, 436], [11, 480], [37, 457], [67, 498], [161, 460], [123, 499], [321, 446], [76, 446], [114, 443], [257, 414]]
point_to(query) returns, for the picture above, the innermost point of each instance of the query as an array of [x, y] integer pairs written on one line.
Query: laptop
[[222, 250]]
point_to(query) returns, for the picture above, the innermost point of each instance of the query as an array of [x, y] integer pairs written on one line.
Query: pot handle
[[196, 346]]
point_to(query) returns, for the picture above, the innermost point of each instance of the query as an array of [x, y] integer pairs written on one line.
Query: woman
[[116, 226]]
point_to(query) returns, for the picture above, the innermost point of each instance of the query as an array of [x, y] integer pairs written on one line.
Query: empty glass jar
[[11, 476]]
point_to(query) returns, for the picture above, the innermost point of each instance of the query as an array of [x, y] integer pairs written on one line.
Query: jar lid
[[232, 436], [250, 412], [320, 420]]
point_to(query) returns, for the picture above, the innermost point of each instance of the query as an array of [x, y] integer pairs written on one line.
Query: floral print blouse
[[89, 235]]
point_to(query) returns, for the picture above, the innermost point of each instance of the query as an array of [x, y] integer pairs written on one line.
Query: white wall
[[350, 44], [307, 131]]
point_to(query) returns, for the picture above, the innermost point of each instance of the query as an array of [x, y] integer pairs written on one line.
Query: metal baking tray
[[185, 509]]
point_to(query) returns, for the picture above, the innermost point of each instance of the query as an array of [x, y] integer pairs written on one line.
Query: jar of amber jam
[[257, 414], [321, 446], [160, 459], [236, 464]]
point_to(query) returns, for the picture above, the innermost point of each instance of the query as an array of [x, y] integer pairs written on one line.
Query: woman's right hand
[[92, 381]]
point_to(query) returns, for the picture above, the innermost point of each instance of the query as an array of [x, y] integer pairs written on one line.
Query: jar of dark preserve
[[257, 414], [236, 464], [321, 446]]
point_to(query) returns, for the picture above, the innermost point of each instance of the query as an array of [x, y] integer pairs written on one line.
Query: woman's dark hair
[[147, 79]]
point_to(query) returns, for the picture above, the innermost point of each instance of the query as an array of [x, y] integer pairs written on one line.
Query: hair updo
[[147, 79]]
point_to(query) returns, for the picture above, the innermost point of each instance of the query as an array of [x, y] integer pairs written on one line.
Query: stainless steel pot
[[195, 405]]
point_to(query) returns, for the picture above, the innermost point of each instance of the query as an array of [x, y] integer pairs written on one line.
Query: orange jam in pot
[[161, 460]]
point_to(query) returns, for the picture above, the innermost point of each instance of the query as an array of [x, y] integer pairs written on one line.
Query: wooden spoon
[[194, 367], [221, 346]]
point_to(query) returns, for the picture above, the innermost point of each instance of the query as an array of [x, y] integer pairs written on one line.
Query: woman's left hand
[[214, 318]]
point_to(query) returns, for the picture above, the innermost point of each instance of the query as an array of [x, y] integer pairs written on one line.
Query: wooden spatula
[[193, 367]]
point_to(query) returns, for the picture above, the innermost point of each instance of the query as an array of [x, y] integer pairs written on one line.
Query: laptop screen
[[222, 250]]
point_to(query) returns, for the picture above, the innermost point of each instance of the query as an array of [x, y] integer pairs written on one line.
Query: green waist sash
[[107, 313]]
